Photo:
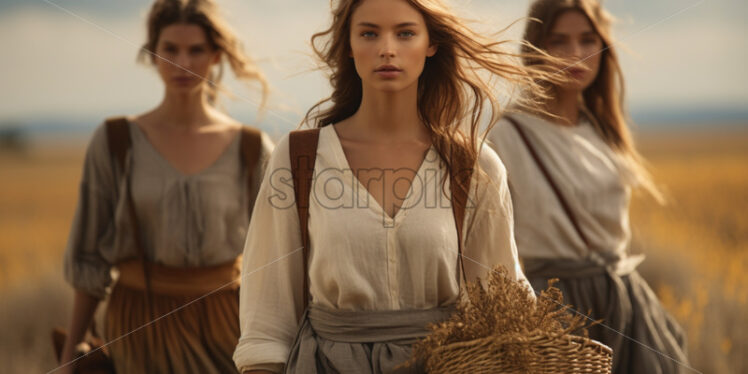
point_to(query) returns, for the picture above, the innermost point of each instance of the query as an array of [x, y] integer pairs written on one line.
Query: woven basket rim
[[526, 338]]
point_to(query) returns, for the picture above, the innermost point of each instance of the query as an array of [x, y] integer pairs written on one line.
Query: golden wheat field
[[696, 245]]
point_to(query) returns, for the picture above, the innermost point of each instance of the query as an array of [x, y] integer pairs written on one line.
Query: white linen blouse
[[360, 258]]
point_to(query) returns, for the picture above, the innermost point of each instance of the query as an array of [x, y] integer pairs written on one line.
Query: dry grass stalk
[[506, 310]]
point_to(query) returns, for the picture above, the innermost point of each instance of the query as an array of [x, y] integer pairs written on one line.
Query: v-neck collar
[[358, 187], [173, 168]]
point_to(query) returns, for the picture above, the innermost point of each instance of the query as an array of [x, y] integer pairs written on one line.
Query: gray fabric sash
[[396, 326], [617, 310], [564, 269], [338, 341]]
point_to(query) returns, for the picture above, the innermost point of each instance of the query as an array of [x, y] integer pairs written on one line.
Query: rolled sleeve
[[92, 230], [271, 295]]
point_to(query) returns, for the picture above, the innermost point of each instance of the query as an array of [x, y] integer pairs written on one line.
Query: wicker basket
[[542, 354]]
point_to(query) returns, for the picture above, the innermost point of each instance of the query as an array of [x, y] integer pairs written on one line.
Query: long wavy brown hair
[[604, 98], [453, 90], [205, 14]]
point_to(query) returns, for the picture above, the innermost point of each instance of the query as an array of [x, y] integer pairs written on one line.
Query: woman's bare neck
[[563, 108], [386, 118]]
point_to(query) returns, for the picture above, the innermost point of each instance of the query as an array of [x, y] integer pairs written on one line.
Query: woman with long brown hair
[[572, 165], [165, 199], [362, 244]]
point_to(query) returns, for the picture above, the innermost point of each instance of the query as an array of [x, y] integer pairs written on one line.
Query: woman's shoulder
[[505, 127], [280, 157], [505, 138], [490, 162], [488, 177], [99, 162], [98, 146], [266, 142], [324, 139]]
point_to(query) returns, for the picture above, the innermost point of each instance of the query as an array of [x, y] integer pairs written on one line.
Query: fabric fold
[[633, 321], [339, 341]]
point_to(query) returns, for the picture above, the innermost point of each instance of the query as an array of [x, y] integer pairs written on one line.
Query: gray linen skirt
[[365, 342], [644, 337]]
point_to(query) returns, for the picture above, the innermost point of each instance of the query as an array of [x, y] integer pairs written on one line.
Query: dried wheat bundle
[[502, 327]]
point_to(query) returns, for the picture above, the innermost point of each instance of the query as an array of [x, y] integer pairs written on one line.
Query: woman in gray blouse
[[165, 200], [571, 166]]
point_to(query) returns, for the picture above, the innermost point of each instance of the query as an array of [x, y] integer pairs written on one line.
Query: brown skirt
[[644, 337], [186, 331]]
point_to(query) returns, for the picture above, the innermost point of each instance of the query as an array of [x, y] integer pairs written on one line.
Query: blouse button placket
[[392, 265]]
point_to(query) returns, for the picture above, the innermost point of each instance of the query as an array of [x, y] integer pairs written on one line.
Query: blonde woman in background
[[572, 165], [171, 215]]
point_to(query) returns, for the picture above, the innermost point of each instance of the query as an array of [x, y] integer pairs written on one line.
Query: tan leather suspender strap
[[303, 151], [120, 142], [118, 139], [250, 148], [547, 175]]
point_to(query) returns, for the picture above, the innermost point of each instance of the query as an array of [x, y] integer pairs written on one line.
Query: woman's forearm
[[84, 307]]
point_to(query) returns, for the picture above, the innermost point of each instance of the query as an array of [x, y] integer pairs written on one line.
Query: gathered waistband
[[168, 280], [396, 326]]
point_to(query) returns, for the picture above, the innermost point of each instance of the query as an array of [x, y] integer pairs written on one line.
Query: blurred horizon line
[[644, 118]]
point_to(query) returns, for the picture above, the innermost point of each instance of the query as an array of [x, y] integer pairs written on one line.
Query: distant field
[[697, 245], [37, 197], [38, 192]]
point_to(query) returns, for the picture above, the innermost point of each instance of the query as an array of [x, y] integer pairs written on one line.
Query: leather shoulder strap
[[118, 139], [303, 152], [547, 175], [250, 149], [120, 143], [459, 181]]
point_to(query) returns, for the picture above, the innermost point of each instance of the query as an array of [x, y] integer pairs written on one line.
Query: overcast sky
[[75, 59]]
